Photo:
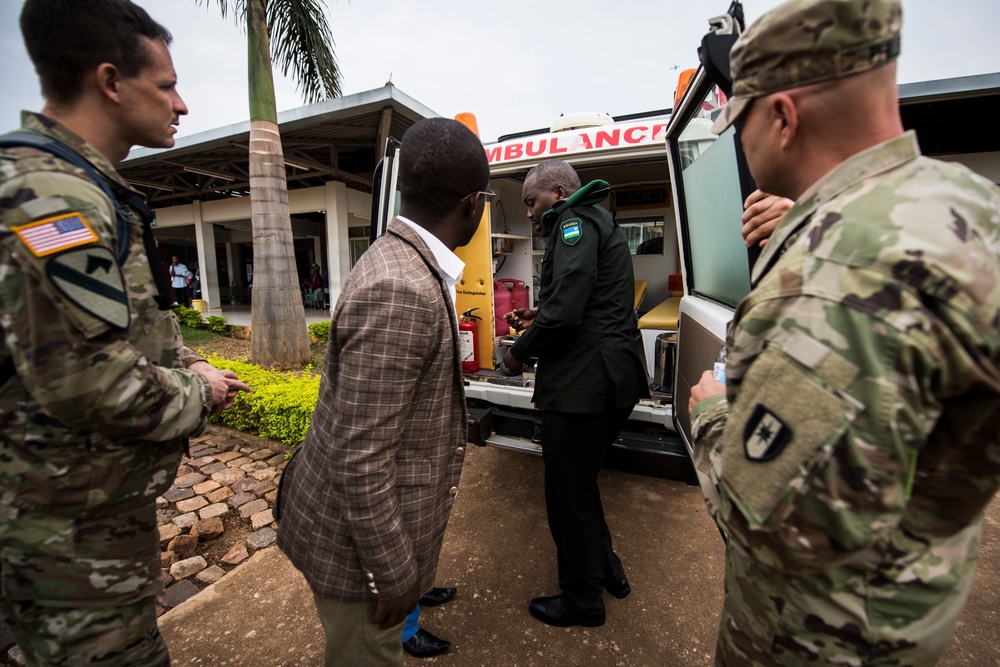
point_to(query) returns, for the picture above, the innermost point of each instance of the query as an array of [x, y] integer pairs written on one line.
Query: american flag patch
[[54, 234]]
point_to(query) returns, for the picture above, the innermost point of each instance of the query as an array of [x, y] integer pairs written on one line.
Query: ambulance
[[678, 193], [503, 265]]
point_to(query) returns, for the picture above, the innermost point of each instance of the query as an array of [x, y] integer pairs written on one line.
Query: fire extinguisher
[[467, 341]]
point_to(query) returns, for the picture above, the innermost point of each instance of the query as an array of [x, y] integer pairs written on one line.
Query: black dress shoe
[[425, 645], [553, 610], [437, 596], [617, 588]]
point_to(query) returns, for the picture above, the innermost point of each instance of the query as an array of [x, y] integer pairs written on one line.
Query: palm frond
[[237, 7], [301, 43]]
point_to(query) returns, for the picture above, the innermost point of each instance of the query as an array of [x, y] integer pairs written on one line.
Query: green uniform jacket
[[96, 413], [861, 438], [584, 335]]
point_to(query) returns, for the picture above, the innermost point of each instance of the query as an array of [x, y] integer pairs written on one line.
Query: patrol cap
[[803, 42]]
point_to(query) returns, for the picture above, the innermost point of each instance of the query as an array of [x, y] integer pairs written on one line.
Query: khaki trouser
[[352, 640]]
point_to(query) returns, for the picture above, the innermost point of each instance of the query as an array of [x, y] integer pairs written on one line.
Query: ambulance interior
[[644, 210]]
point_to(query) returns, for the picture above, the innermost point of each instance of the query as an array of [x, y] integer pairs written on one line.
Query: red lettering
[[630, 133], [535, 153], [658, 131], [554, 146], [585, 141], [610, 139], [513, 151], [493, 154]]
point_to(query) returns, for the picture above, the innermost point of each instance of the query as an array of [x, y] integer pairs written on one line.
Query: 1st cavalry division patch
[[90, 278], [571, 231], [56, 234]]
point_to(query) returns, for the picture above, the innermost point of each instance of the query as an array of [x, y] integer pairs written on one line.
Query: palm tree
[[296, 35]]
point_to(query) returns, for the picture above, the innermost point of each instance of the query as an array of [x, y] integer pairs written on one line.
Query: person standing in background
[[179, 282]]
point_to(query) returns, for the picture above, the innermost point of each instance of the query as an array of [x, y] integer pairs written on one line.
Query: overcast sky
[[516, 64]]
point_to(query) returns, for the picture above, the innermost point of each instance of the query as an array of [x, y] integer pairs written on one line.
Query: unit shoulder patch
[[56, 234], [571, 231], [91, 279], [765, 434]]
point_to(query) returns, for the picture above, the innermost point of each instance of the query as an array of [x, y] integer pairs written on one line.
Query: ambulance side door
[[710, 182]]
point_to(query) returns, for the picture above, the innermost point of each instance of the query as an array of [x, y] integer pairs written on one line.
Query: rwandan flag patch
[[572, 230], [56, 234]]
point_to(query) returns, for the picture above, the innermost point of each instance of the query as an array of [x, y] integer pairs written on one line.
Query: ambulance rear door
[[385, 189], [710, 180]]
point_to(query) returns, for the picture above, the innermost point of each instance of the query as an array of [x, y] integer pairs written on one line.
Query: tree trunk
[[279, 338]]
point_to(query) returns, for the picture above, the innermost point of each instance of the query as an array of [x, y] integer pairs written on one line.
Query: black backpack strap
[[24, 138]]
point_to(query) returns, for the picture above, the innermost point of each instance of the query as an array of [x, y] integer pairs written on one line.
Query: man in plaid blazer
[[364, 503]]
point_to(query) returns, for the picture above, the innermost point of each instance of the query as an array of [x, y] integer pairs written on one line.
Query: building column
[[318, 253], [208, 270], [338, 249], [231, 264]]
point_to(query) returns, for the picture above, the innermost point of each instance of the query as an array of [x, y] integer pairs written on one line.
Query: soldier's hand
[[762, 213], [707, 386], [225, 384], [235, 387], [395, 610]]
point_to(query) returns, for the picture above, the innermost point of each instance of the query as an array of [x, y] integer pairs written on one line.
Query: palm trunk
[[277, 317]]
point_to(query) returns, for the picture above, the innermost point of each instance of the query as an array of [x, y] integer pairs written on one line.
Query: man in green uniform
[[589, 378], [851, 454], [97, 394]]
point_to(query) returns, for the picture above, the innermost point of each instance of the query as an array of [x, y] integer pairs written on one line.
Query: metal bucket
[[664, 362]]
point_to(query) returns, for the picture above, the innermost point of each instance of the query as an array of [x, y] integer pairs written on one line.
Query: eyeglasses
[[488, 194]]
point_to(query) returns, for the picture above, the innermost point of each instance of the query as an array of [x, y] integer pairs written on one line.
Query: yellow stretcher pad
[[663, 316]]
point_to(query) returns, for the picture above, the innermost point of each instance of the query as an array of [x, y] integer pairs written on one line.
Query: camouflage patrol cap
[[803, 42]]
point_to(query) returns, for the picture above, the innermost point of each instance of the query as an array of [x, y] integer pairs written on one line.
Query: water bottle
[[719, 370]]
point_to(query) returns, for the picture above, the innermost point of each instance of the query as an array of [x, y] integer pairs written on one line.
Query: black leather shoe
[[425, 645], [617, 588], [553, 610], [437, 596]]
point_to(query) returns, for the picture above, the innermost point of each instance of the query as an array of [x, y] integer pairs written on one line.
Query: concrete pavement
[[499, 554]]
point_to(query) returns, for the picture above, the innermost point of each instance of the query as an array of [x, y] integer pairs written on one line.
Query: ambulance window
[[644, 234], [713, 203]]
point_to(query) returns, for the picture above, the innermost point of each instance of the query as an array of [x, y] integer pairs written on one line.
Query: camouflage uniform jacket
[[97, 410], [859, 443]]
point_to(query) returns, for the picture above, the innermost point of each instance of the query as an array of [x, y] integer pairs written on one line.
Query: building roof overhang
[[335, 140]]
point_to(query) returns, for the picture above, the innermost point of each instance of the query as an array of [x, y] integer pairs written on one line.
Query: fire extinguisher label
[[466, 347]]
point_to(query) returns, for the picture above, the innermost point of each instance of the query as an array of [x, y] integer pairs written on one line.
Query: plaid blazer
[[364, 503]]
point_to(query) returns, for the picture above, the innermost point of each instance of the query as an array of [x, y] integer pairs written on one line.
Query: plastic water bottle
[[719, 370]]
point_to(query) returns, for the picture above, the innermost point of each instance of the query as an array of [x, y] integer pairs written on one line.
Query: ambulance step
[[517, 444]]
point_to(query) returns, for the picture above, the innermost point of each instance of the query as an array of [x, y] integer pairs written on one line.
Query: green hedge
[[281, 405], [320, 331]]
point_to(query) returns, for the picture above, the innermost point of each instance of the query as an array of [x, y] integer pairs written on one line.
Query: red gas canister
[[503, 303], [468, 346], [519, 292]]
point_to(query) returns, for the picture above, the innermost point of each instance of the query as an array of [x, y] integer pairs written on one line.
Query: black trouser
[[181, 296], [573, 448]]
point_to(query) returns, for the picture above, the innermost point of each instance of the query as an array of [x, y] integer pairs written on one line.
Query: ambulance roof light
[[468, 119], [574, 121]]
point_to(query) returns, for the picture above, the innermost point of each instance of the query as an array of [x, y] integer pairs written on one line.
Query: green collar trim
[[592, 193]]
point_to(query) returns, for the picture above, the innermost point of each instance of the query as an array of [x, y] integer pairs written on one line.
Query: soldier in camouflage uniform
[[97, 394], [855, 446]]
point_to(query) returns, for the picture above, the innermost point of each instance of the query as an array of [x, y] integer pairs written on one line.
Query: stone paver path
[[218, 511]]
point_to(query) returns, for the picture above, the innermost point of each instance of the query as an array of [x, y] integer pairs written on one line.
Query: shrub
[[281, 405], [217, 323], [320, 331], [189, 317]]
